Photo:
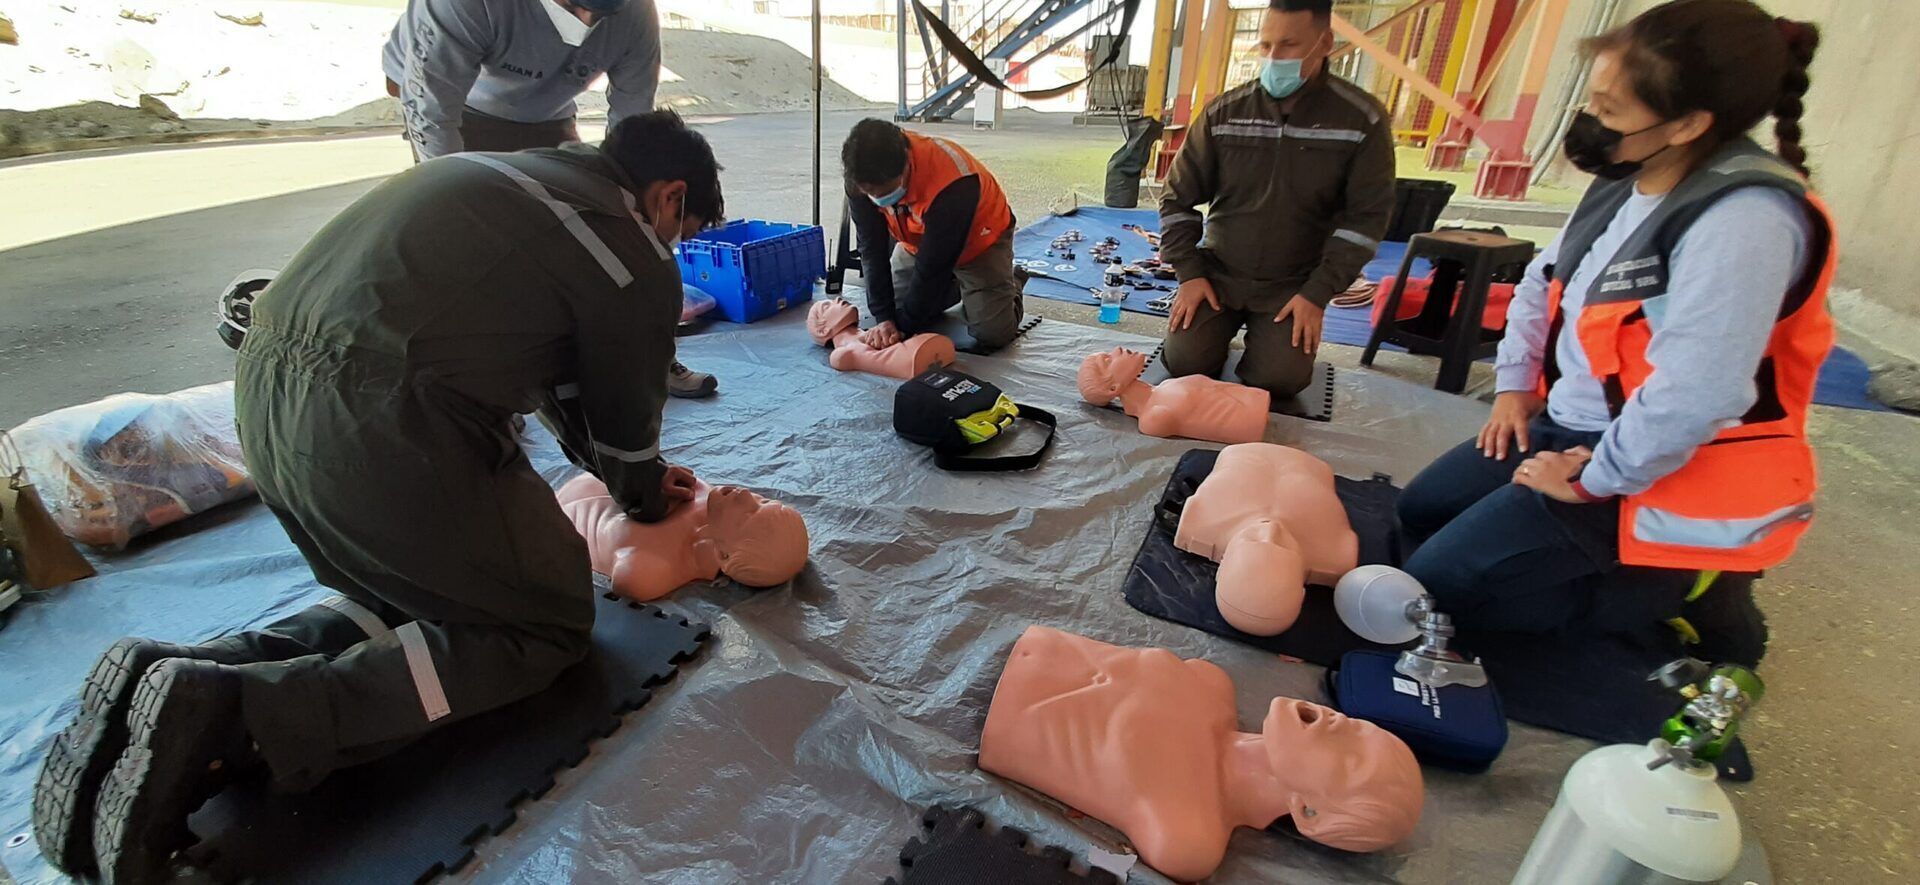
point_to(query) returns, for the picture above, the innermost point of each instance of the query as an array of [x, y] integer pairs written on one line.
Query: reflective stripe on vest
[[933, 164], [1741, 502], [1666, 527]]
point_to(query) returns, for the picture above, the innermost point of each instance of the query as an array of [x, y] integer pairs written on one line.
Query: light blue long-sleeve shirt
[[505, 58], [1730, 275]]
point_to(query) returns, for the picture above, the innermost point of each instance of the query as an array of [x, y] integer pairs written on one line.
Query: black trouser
[[1500, 556], [490, 134]]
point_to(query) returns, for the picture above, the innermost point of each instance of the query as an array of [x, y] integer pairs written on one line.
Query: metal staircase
[[944, 88]]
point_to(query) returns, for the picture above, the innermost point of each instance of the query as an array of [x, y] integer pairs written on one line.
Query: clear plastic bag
[[693, 303], [113, 470]]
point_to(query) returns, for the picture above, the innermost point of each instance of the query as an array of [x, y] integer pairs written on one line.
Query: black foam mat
[[959, 847], [420, 813], [1591, 685], [1313, 404]]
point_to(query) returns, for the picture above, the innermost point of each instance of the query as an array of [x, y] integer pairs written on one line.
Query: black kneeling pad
[[959, 848], [420, 812], [1584, 683], [1315, 403]]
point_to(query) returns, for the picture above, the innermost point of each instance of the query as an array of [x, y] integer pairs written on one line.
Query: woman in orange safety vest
[[1649, 430]]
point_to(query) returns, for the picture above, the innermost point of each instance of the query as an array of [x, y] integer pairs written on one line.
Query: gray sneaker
[[686, 383]]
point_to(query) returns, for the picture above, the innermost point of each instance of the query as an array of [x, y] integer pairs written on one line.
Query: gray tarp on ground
[[804, 743]]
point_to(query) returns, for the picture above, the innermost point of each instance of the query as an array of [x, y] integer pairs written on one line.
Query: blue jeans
[[1498, 556]]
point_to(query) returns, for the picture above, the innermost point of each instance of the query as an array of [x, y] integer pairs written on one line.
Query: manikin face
[[760, 542], [729, 509], [826, 319], [1355, 786], [1104, 375]]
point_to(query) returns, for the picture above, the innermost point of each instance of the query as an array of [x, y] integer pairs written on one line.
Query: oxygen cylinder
[[1617, 822]]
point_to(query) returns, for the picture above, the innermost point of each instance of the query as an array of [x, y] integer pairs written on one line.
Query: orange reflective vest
[[932, 164], [1744, 499]]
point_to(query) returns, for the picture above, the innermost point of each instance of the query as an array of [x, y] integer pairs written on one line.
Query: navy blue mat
[[1842, 382]]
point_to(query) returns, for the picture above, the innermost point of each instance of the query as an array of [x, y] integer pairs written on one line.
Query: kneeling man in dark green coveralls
[[374, 395]]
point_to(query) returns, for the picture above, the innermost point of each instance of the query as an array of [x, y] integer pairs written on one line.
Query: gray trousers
[[464, 587], [985, 289], [1271, 362]]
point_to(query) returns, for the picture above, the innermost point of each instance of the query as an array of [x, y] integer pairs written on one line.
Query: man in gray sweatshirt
[[503, 75], [496, 75]]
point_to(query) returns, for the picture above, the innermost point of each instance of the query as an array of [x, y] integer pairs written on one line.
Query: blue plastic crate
[[755, 269]]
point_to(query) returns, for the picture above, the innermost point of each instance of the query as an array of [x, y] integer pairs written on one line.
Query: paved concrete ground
[[109, 266]]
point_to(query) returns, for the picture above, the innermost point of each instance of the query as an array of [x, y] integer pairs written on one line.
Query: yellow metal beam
[[1477, 21], [1218, 44], [1520, 18], [1414, 80], [1457, 60], [1160, 61], [1381, 28], [1189, 61]]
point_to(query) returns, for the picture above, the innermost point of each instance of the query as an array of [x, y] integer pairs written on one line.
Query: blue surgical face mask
[[887, 201], [1281, 77]]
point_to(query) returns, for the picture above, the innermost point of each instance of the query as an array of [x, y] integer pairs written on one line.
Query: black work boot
[[186, 742], [79, 757], [1731, 628]]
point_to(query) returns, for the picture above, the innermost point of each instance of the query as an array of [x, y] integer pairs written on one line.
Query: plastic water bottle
[[1110, 299]]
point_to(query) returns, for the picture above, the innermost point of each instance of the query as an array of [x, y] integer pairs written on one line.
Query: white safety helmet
[[236, 304]]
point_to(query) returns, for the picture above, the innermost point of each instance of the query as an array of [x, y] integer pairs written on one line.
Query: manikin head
[[826, 319], [1104, 375], [1353, 785], [1262, 580], [761, 543]]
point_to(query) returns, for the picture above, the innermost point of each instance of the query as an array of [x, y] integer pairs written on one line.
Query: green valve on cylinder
[[1717, 699]]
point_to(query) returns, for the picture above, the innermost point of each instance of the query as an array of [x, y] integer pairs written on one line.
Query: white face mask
[[573, 31], [673, 242]]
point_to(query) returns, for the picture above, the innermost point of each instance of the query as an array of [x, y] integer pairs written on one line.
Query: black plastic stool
[[1473, 259]]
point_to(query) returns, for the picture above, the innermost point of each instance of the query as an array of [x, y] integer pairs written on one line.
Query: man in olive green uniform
[[1297, 168], [374, 394]]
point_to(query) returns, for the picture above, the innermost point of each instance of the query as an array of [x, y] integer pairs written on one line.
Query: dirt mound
[[86, 77], [719, 73]]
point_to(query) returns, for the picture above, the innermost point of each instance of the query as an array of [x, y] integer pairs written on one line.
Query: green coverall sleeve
[[624, 348]]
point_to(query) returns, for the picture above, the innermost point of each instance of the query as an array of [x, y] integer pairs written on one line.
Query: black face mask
[[1590, 145]]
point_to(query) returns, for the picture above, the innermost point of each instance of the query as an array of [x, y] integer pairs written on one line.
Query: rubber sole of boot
[[80, 756], [140, 818], [704, 389]]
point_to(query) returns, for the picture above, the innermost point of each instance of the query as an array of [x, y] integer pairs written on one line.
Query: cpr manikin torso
[[1194, 406], [836, 323], [1269, 515], [1150, 744], [723, 530]]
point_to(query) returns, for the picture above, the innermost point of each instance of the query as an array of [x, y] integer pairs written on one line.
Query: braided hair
[[1726, 57], [1803, 39]]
